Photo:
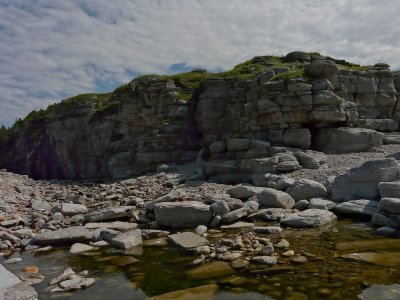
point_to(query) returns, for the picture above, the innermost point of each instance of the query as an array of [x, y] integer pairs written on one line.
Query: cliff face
[[155, 120]]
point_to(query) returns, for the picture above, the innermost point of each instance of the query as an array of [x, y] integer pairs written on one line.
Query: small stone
[[79, 248], [31, 269], [298, 259], [266, 260], [288, 253], [282, 244], [201, 230], [239, 263], [12, 260]]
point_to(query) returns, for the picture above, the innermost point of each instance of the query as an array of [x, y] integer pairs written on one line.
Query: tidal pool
[[331, 270]]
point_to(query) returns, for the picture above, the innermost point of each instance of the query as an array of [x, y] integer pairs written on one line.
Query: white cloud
[[53, 49]]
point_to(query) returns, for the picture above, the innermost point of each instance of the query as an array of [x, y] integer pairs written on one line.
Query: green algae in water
[[325, 275]]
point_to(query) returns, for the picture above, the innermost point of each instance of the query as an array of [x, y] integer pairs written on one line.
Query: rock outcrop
[[238, 121]]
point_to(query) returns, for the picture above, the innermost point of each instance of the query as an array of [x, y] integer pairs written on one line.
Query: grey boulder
[[362, 182], [309, 218], [11, 287], [270, 198], [389, 189], [129, 239], [318, 203], [390, 205], [188, 214], [244, 191], [63, 236], [187, 240], [363, 208], [306, 189]]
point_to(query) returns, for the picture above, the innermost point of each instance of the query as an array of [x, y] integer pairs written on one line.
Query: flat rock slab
[[63, 236], [187, 240], [129, 239], [187, 214], [309, 218], [387, 259], [203, 292], [70, 209], [109, 214], [363, 208], [211, 270], [117, 225], [238, 225]]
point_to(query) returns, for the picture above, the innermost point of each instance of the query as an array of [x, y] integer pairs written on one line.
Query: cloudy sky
[[53, 49]]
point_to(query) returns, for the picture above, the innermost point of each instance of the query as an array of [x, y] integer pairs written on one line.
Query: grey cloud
[[62, 48]]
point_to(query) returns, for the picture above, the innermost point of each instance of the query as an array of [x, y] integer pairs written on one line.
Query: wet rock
[[200, 292], [309, 218], [79, 248], [153, 233], [63, 236], [383, 244], [76, 283], [298, 259], [364, 208], [157, 242], [211, 270], [129, 239], [265, 260], [389, 259], [67, 273], [288, 253], [239, 263], [187, 240], [268, 229], [389, 189], [30, 278], [201, 230], [282, 244], [12, 260], [188, 214], [271, 198], [318, 203], [124, 260], [70, 209], [388, 231], [109, 214]]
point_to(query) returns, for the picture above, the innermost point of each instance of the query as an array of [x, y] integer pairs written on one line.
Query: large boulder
[[12, 288], [309, 218], [322, 68], [346, 140], [188, 214], [362, 208], [390, 205], [389, 189], [306, 189], [271, 198], [362, 182]]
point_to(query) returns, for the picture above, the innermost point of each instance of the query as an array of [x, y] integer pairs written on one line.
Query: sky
[[52, 49]]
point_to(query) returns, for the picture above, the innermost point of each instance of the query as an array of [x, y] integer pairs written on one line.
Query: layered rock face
[[239, 123]]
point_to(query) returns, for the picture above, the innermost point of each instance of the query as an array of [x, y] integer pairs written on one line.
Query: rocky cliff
[[240, 119]]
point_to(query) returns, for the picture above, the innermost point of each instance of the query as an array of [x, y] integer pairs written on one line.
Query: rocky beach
[[278, 179]]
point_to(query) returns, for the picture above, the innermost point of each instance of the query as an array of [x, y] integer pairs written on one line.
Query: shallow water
[[162, 270]]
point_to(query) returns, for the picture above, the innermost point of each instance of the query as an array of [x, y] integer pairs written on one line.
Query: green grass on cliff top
[[188, 82]]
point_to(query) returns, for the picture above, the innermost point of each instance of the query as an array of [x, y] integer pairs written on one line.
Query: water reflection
[[161, 272]]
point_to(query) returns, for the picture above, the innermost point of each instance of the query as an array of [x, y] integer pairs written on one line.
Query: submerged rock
[[388, 259], [187, 240], [199, 292], [211, 270]]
